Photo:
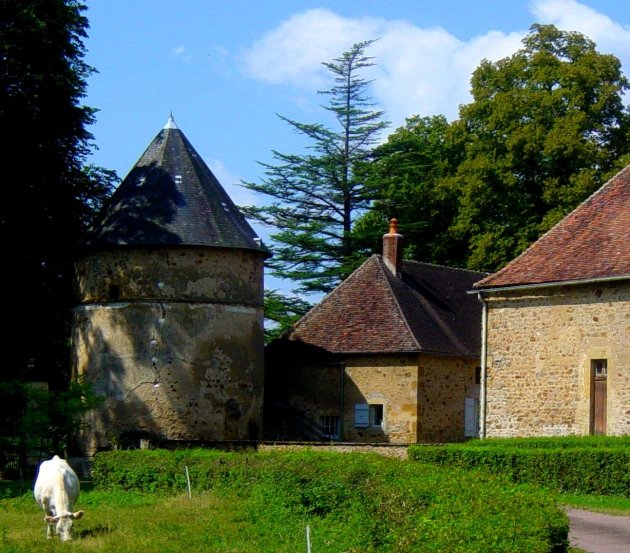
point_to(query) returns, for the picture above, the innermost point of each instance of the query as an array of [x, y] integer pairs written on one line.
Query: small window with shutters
[[376, 415]]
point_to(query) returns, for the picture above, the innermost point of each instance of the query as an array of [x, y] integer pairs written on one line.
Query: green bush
[[564, 442], [353, 502], [576, 465]]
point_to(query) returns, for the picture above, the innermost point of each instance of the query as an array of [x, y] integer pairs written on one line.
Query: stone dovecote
[[169, 325]]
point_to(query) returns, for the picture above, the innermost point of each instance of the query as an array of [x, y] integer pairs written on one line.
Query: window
[[114, 292], [600, 367], [376, 414], [329, 426]]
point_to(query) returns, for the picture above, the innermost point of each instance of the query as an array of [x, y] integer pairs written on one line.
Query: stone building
[[557, 327], [390, 355], [169, 327]]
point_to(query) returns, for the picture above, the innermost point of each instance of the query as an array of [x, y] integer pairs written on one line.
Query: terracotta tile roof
[[170, 197], [427, 309], [592, 242]]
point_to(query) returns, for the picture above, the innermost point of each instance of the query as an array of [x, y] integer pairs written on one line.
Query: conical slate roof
[[170, 197]]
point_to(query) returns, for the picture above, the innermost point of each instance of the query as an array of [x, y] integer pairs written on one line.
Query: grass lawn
[[130, 522], [609, 504], [262, 503]]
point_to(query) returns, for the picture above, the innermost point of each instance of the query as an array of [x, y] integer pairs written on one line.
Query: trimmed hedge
[[564, 442], [599, 466], [354, 502]]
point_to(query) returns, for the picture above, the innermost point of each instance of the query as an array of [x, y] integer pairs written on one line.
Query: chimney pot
[[392, 248]]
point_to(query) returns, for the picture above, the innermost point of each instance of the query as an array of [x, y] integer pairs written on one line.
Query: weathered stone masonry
[[540, 346], [178, 351]]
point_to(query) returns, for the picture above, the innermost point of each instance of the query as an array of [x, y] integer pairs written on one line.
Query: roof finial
[[170, 124], [393, 226]]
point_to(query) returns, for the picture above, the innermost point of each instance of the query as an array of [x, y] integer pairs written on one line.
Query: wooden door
[[599, 396]]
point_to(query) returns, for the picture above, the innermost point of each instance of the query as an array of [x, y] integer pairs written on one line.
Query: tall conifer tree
[[316, 196], [47, 197]]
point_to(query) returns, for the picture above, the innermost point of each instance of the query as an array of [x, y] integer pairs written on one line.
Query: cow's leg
[[48, 514]]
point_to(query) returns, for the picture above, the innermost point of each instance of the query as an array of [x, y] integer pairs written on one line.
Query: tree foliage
[[412, 171], [47, 197], [315, 196], [36, 421], [282, 312], [546, 128]]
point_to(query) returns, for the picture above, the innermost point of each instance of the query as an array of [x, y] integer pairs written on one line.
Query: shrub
[[576, 465], [354, 502]]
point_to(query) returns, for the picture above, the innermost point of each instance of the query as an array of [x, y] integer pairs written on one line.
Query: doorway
[[599, 395]]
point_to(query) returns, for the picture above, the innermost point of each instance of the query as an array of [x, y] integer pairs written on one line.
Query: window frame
[[328, 422]]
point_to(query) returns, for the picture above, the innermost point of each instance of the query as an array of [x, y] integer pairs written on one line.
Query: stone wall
[[444, 384], [540, 347], [178, 353], [422, 397], [388, 380], [182, 274]]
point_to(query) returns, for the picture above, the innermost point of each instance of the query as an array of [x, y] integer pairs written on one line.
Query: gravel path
[[599, 533]]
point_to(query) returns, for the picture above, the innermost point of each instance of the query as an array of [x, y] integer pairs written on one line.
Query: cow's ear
[[51, 520], [76, 515]]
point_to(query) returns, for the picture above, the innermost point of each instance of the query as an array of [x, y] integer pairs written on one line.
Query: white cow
[[56, 490]]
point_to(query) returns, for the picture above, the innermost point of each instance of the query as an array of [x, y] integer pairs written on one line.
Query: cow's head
[[63, 524]]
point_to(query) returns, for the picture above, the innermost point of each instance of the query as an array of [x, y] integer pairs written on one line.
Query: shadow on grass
[[99, 530]]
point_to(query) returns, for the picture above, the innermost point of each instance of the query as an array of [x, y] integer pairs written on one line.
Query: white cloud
[[183, 55], [417, 71], [422, 71], [427, 71], [570, 15], [293, 52]]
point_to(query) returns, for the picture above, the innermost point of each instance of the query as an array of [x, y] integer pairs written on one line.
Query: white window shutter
[[471, 417]]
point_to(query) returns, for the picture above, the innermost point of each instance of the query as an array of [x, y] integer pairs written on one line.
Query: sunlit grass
[[262, 503], [132, 522], [611, 504]]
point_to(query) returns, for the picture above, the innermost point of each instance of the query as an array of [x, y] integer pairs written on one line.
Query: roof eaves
[[553, 284]]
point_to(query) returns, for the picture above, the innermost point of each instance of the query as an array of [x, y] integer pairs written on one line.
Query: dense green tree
[[411, 171], [547, 126], [316, 196], [47, 197], [39, 422], [281, 312]]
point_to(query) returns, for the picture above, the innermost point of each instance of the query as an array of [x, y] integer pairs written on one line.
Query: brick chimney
[[392, 248]]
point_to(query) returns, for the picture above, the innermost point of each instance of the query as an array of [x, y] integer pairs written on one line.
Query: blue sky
[[226, 68]]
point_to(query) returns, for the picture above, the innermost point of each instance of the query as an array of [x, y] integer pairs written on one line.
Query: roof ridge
[[445, 266], [437, 319], [573, 213]]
